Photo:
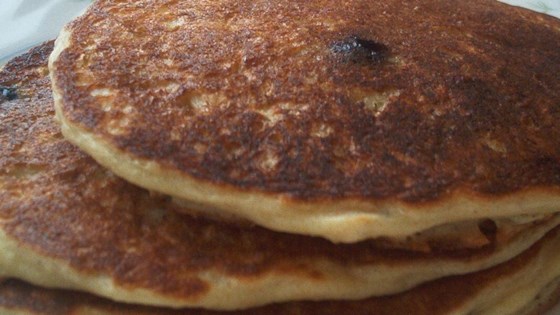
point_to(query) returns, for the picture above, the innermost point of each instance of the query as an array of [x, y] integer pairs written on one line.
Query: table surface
[[26, 23]]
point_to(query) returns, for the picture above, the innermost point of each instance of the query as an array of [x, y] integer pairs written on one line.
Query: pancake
[[529, 284], [349, 122], [67, 222]]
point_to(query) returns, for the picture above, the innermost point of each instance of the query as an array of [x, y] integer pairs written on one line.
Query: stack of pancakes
[[284, 157]]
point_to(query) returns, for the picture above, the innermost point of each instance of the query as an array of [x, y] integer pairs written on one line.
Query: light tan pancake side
[[526, 285], [222, 109], [451, 236], [68, 222]]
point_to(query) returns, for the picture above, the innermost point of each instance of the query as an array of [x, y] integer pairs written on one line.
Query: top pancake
[[348, 121]]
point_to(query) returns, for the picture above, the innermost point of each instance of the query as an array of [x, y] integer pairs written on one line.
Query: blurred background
[[25, 23]]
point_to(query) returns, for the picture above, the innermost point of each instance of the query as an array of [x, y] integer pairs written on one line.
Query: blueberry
[[8, 92], [358, 49]]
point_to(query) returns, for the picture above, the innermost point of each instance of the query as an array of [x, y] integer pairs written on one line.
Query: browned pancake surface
[[59, 202], [443, 296], [322, 99]]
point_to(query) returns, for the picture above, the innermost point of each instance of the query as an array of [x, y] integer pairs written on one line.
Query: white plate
[[26, 23]]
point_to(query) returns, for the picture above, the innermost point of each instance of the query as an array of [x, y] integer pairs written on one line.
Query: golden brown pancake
[[528, 284], [67, 222], [347, 121]]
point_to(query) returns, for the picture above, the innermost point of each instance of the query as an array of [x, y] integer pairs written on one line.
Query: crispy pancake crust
[[348, 121], [67, 222], [527, 284]]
